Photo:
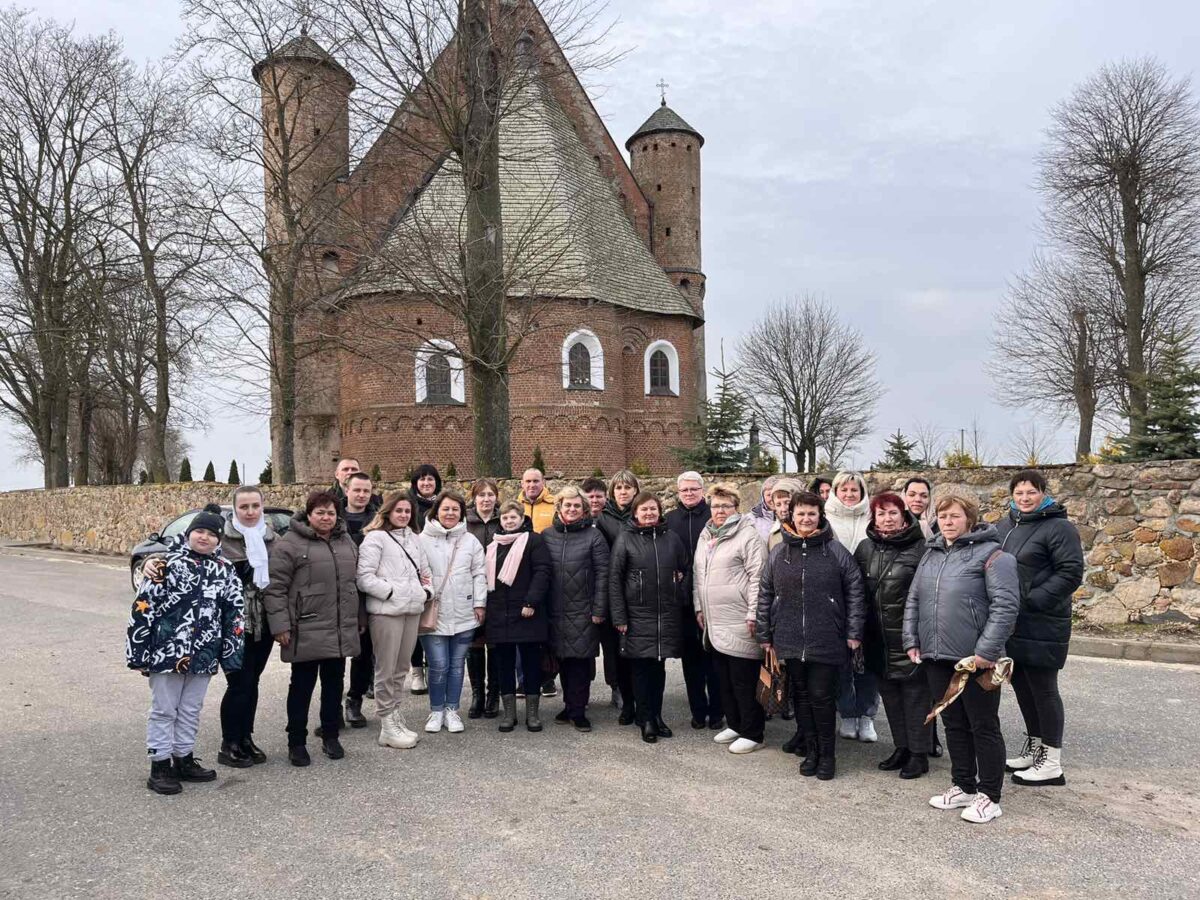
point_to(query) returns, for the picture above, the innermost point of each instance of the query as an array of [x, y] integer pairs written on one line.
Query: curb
[[1145, 651]]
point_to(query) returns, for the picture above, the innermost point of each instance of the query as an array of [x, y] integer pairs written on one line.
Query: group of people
[[861, 598]]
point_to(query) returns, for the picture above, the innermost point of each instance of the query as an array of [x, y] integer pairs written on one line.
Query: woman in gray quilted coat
[[578, 600], [963, 604]]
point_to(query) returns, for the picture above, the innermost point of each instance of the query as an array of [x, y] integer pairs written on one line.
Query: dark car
[[277, 517]]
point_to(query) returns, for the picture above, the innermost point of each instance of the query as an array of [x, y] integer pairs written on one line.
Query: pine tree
[[720, 437], [898, 453], [539, 462], [185, 470], [233, 474], [451, 471], [376, 474], [1172, 422], [210, 474], [268, 472], [144, 477]]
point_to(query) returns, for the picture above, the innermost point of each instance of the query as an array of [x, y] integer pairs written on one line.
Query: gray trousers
[[394, 638], [175, 703]]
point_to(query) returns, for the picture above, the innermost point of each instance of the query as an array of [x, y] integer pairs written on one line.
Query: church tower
[[664, 156]]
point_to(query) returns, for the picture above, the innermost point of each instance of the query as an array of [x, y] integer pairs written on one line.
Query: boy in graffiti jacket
[[181, 628]]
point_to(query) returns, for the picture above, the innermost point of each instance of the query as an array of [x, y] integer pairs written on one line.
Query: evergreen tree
[[720, 437], [185, 470], [451, 471], [1172, 422], [144, 477], [376, 474], [539, 462], [210, 474], [898, 453], [233, 474], [268, 472]]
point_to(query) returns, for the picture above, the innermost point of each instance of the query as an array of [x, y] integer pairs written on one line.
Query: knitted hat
[[210, 519]]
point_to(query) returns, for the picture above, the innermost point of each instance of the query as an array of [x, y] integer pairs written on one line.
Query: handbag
[[772, 689], [433, 606]]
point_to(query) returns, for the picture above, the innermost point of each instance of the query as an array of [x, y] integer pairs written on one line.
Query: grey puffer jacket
[[811, 599], [964, 598], [579, 555], [727, 573], [313, 594]]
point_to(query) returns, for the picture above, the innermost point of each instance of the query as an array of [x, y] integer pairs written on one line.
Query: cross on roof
[[662, 86]]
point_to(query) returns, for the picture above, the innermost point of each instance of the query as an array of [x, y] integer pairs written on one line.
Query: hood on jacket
[[911, 533], [836, 509], [559, 525], [1049, 509], [823, 535], [610, 507], [437, 529], [980, 534], [301, 527], [658, 530]]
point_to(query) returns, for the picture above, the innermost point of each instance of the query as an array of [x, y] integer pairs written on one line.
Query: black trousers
[[480, 660], [332, 673], [418, 657], [362, 668], [1041, 703], [506, 665], [814, 696], [617, 671], [738, 681], [649, 682], [704, 692], [577, 675], [973, 736], [240, 702], [906, 702]]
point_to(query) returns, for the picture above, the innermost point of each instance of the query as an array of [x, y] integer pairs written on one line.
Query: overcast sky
[[879, 155]]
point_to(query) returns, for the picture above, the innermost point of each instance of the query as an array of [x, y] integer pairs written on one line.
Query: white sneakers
[[955, 798], [1046, 769], [849, 729], [417, 683], [866, 730], [982, 811], [394, 733], [1026, 758], [728, 736], [434, 723], [454, 722], [745, 745], [448, 717]]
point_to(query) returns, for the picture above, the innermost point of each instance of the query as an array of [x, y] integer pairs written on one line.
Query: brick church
[[605, 250]]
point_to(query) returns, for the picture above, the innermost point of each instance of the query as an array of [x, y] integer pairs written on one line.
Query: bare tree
[[1121, 181], [931, 441], [1031, 445], [809, 379]]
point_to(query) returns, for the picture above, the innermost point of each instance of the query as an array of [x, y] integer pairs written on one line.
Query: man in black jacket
[[687, 520], [358, 509]]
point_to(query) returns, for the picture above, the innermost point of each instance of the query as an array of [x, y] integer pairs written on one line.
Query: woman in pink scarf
[[518, 575]]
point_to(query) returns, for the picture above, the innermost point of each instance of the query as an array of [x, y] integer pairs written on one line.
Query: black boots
[[491, 703], [231, 754], [826, 765], [915, 766], [163, 779], [812, 756], [660, 727], [649, 732], [532, 721], [332, 747], [298, 755], [188, 768], [626, 717], [253, 751], [476, 667], [898, 760], [354, 715], [795, 744]]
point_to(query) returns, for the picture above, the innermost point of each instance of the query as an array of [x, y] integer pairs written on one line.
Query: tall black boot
[[163, 779], [826, 765], [491, 703], [475, 674]]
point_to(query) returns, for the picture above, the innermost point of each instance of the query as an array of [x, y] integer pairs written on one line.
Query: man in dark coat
[[359, 507], [687, 521]]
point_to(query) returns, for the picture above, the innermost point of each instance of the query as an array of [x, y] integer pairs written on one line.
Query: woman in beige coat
[[729, 562]]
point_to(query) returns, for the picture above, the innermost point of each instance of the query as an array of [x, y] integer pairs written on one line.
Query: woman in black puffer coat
[[516, 610], [614, 519], [1050, 567], [811, 610], [888, 557], [579, 556], [649, 564]]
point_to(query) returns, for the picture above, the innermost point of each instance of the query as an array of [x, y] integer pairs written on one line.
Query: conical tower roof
[[664, 119], [302, 48]]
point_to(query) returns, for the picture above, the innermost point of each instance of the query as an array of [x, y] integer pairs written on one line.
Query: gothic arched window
[[580, 365], [583, 362], [437, 378], [662, 369], [439, 374]]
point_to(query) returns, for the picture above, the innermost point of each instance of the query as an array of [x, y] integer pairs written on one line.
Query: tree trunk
[[283, 438], [83, 438], [1133, 286], [1084, 387], [483, 269]]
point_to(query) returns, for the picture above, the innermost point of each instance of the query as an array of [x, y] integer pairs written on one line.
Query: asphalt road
[[557, 814]]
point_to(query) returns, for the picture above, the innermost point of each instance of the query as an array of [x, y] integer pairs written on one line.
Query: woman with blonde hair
[[615, 519], [394, 576]]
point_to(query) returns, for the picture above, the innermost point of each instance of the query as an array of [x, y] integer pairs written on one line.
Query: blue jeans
[[859, 694], [446, 657]]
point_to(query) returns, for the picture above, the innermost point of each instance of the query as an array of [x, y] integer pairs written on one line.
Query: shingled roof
[[664, 119], [302, 48], [565, 232]]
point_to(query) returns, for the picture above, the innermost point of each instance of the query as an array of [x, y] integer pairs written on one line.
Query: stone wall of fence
[[1140, 523]]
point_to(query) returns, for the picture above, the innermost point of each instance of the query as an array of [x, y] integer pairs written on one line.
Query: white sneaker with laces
[[849, 729], [745, 745], [727, 736], [454, 722], [1026, 758], [434, 723], [1046, 769], [866, 730], [982, 811], [955, 798]]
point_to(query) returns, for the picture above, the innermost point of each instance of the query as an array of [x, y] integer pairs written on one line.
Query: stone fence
[[1140, 523]]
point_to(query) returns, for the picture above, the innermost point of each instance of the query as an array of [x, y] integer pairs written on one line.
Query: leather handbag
[[433, 606], [772, 688]]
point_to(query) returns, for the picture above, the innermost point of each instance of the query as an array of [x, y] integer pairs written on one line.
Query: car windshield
[[179, 525]]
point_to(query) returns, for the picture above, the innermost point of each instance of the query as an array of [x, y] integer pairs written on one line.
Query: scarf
[[1047, 502], [516, 549], [989, 680], [716, 534], [256, 549]]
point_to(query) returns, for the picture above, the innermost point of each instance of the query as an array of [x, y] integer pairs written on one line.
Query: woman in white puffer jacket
[[394, 577]]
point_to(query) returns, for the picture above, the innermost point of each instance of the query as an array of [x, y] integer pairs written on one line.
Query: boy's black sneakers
[[298, 756], [188, 768], [163, 779], [332, 748]]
